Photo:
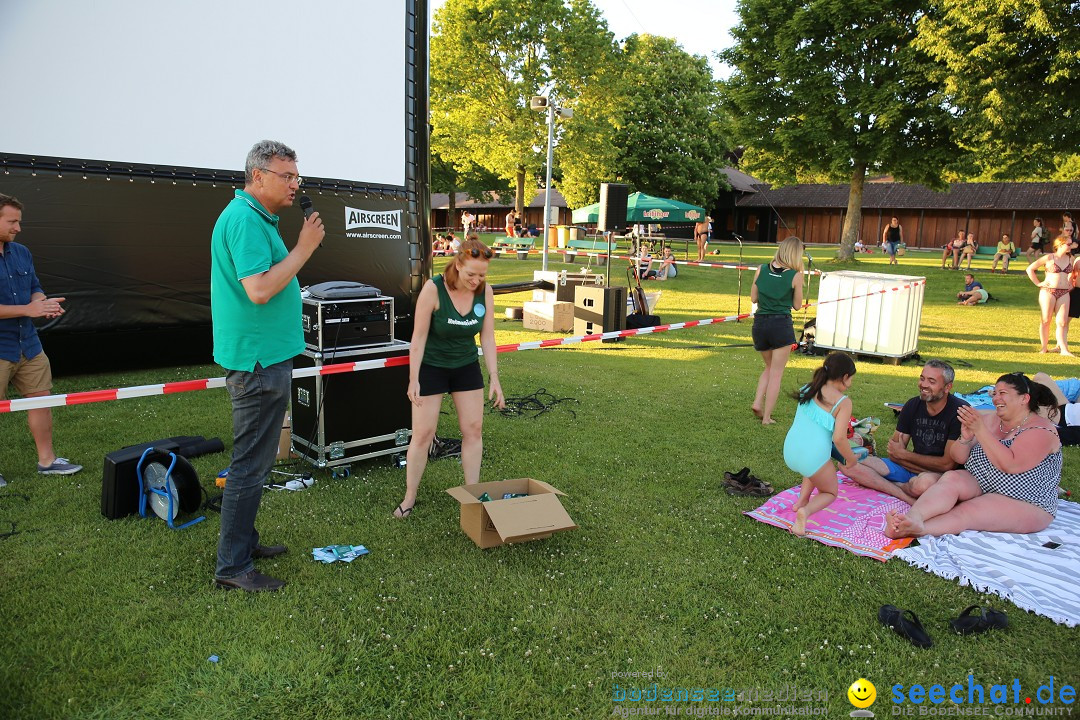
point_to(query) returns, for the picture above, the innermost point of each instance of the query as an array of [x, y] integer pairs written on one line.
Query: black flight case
[[341, 323], [343, 417]]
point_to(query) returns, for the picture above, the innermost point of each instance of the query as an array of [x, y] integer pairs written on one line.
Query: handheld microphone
[[306, 206]]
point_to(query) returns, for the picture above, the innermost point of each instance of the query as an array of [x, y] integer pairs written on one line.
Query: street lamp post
[[547, 185], [542, 103]]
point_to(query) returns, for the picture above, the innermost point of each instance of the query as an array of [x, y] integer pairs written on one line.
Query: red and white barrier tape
[[905, 286], [137, 391], [96, 396]]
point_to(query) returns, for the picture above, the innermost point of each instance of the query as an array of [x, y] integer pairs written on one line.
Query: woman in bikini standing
[[701, 237], [1054, 293]]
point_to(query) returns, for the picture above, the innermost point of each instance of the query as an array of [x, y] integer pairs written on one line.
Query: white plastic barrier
[[870, 313]]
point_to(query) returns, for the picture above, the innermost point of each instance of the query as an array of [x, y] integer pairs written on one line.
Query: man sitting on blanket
[[930, 424]]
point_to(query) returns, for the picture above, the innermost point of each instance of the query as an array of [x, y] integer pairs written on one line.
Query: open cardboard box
[[498, 522], [284, 451]]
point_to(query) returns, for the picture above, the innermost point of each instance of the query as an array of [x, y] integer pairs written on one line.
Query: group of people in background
[[962, 247], [1059, 261], [665, 266]]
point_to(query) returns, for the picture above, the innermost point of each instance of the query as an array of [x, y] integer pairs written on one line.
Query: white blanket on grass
[[1018, 568]]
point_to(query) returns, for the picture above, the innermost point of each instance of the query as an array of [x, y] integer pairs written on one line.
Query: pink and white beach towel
[[853, 521]]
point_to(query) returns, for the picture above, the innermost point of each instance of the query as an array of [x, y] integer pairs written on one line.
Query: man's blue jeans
[[259, 399]]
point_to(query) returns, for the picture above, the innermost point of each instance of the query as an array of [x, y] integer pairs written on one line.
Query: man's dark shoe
[[268, 551], [251, 581]]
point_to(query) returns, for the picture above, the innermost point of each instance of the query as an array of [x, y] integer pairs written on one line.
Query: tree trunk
[[451, 211], [519, 201], [853, 220]]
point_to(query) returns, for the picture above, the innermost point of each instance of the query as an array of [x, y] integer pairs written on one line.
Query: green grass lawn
[[117, 619]]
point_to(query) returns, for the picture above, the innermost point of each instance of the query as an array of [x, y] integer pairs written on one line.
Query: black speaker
[[599, 309], [612, 207]]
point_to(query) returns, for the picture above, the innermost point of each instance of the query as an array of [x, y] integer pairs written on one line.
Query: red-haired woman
[[451, 310]]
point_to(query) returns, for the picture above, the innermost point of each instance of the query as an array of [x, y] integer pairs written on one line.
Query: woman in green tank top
[[451, 310], [777, 290]]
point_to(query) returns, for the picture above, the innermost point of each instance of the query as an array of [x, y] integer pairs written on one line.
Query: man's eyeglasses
[[287, 177], [475, 252]]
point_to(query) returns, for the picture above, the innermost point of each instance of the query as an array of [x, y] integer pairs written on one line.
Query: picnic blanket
[[853, 521], [1019, 568]]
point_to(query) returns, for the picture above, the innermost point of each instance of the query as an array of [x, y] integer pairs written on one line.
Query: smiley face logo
[[862, 693]]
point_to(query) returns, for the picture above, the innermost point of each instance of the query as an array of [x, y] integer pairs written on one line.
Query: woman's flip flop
[[968, 624], [905, 624]]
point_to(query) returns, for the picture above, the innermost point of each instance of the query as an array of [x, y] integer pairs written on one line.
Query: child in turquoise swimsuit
[[821, 421]]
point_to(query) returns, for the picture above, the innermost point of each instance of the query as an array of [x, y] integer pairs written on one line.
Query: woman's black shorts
[[437, 380], [771, 332]]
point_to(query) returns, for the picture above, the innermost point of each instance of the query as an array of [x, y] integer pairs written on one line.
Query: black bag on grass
[[635, 321]]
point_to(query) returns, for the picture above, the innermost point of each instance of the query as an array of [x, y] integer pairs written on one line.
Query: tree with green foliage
[[587, 153], [669, 137], [840, 88], [476, 182], [488, 57], [1010, 69]]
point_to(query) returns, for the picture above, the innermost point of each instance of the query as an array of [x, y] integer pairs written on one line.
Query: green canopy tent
[[646, 208]]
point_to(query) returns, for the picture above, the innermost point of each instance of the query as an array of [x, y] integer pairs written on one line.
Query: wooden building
[[816, 213], [491, 215], [728, 218]]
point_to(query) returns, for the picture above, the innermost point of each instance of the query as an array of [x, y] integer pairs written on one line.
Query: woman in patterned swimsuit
[[1012, 467], [1054, 293]]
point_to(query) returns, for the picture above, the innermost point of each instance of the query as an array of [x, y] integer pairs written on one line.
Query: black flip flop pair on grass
[[906, 624], [743, 483]]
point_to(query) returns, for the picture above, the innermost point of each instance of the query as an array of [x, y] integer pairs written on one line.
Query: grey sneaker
[[3, 482], [60, 466]]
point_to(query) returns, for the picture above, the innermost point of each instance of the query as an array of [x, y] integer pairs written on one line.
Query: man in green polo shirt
[[255, 303]]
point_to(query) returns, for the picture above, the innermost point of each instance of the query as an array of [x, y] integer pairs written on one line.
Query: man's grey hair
[[261, 155], [946, 369]]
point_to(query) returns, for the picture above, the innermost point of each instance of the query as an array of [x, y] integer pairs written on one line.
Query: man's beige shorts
[[29, 376]]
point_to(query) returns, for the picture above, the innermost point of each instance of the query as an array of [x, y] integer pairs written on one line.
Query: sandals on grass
[[987, 619], [743, 483], [906, 624]]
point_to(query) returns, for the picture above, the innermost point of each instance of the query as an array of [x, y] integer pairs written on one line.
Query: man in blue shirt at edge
[[255, 304], [22, 360]]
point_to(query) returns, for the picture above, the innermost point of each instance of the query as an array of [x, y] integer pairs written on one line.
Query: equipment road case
[[343, 417], [347, 323]]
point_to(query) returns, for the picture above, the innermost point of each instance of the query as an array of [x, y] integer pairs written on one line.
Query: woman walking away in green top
[[777, 289], [451, 310]]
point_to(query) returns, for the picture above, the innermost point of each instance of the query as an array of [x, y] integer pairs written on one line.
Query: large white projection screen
[[196, 83]]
